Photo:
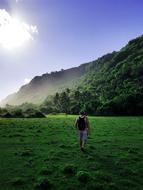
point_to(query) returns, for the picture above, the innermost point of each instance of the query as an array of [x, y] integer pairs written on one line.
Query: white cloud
[[26, 80], [14, 33]]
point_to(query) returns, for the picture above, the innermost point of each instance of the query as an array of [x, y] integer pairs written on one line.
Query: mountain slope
[[47, 84], [110, 84], [113, 85]]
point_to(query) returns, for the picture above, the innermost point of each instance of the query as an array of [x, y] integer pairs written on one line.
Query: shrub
[[69, 169], [96, 186], [103, 176], [43, 184], [17, 113], [26, 153], [7, 115], [83, 176], [45, 171], [112, 186], [34, 114], [18, 181]]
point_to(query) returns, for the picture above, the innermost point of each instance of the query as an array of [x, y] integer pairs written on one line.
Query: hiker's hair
[[82, 113]]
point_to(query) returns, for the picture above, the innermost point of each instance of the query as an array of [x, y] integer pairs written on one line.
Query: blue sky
[[70, 32]]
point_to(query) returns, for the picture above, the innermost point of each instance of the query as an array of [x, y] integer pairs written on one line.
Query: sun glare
[[14, 33]]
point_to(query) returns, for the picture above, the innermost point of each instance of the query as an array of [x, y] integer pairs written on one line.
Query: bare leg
[[80, 142], [83, 143], [84, 140]]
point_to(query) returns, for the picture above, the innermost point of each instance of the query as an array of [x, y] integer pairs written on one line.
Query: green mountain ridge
[[113, 85], [110, 84]]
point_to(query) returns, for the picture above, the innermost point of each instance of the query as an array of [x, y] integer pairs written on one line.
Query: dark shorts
[[82, 135]]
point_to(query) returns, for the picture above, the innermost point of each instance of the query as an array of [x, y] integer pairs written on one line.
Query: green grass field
[[44, 154]]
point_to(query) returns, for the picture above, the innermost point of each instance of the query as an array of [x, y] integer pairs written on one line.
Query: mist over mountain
[[47, 84], [110, 84]]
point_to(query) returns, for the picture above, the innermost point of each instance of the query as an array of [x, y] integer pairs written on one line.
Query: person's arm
[[87, 124], [76, 126]]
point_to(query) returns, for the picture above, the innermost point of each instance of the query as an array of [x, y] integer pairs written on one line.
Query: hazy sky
[[55, 34]]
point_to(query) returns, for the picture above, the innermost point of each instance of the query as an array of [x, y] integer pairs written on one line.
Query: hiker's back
[[81, 123]]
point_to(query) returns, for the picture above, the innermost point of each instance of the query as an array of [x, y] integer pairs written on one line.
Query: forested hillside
[[110, 85], [113, 85]]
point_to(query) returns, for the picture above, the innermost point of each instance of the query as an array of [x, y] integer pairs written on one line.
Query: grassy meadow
[[44, 154]]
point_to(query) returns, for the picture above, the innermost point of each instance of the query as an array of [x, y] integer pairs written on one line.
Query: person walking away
[[82, 126]]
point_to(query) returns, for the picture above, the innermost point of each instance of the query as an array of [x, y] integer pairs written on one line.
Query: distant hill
[[47, 84], [110, 84]]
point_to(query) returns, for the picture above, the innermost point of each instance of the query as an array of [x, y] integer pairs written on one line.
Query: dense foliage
[[23, 111], [111, 86]]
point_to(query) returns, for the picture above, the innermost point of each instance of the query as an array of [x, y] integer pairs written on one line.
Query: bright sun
[[14, 33]]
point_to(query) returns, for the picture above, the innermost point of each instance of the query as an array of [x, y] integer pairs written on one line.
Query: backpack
[[81, 123]]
